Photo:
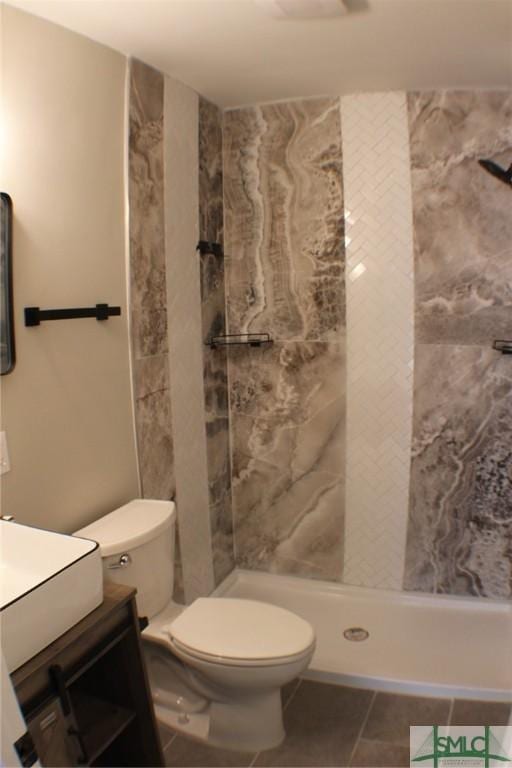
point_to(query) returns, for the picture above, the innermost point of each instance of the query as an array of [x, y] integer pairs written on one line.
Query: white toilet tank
[[137, 549]]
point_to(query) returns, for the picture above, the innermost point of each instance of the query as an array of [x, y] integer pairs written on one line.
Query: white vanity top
[[48, 582]]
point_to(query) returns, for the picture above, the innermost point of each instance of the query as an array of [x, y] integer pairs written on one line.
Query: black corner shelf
[[35, 316], [240, 340]]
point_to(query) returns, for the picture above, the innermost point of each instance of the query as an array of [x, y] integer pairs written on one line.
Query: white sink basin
[[48, 582]]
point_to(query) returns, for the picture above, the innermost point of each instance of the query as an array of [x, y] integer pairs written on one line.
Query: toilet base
[[254, 724], [234, 717], [251, 725], [195, 726]]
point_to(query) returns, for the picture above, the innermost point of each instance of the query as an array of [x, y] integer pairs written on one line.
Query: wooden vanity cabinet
[[86, 697]]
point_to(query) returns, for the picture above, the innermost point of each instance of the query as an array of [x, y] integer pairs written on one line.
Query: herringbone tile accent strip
[[380, 332]]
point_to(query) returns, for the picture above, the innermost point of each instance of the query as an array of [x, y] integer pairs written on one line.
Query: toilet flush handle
[[123, 562]]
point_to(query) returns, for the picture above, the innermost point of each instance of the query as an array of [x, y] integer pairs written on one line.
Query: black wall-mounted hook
[[503, 174], [503, 345], [35, 316], [207, 246]]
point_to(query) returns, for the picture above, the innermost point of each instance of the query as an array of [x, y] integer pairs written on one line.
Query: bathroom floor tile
[[166, 734], [322, 724], [481, 713], [288, 691], [370, 754], [392, 714], [187, 753]]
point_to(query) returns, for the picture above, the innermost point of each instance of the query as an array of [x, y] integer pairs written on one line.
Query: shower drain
[[356, 634]]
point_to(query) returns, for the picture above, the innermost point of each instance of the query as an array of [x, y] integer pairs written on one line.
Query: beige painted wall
[[67, 405]]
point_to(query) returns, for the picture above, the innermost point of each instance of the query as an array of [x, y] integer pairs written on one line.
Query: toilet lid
[[236, 629]]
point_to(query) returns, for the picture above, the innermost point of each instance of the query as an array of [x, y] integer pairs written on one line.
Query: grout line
[[396, 744], [450, 711], [363, 726], [168, 743], [290, 697], [254, 759], [128, 293]]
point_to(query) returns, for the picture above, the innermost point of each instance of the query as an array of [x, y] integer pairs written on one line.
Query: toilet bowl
[[215, 667]]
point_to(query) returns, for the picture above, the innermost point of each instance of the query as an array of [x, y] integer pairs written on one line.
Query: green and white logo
[[471, 746]]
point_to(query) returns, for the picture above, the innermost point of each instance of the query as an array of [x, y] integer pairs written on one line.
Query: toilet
[[215, 667]]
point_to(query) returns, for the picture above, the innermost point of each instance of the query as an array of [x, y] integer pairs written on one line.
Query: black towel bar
[[35, 316]]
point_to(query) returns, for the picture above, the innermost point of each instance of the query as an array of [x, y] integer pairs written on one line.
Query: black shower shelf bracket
[[35, 316], [503, 345], [240, 339], [208, 246]]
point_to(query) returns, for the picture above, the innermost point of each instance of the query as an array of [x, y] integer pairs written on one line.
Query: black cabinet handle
[[59, 683]]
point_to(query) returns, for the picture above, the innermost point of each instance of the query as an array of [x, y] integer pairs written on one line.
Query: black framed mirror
[[7, 354]]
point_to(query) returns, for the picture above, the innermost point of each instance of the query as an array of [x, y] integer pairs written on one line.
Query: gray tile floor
[[328, 725]]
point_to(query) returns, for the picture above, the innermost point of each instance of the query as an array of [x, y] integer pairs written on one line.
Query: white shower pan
[[433, 645]]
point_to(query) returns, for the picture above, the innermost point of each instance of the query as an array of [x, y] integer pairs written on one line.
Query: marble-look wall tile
[[211, 203], [213, 310], [219, 461], [287, 425], [147, 282], [460, 529], [283, 198], [146, 190], [285, 275], [154, 432], [460, 524], [463, 224]]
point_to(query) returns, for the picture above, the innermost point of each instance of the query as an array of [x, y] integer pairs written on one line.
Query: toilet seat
[[191, 655], [238, 632]]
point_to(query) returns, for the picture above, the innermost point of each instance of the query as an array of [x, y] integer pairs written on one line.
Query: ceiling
[[234, 53]]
